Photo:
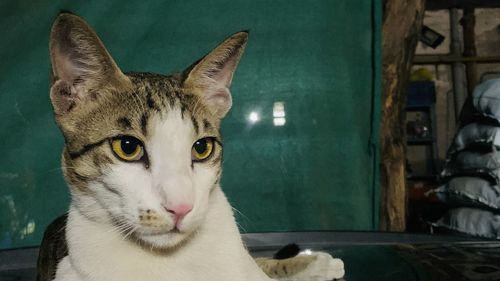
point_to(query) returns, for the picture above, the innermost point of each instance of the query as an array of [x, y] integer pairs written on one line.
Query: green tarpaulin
[[315, 168]]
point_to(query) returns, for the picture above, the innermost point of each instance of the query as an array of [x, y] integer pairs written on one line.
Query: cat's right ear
[[80, 64], [210, 77]]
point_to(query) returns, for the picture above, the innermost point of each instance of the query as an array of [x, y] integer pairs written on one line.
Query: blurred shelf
[[419, 107], [420, 141], [423, 178]]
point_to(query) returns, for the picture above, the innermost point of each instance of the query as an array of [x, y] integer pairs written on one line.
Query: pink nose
[[179, 211]]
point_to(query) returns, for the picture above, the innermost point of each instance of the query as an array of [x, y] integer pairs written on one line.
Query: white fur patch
[[325, 267]]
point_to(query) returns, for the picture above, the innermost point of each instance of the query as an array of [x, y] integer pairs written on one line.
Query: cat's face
[[142, 151]]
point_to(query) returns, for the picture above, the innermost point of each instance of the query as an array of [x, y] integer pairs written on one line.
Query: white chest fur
[[215, 252]]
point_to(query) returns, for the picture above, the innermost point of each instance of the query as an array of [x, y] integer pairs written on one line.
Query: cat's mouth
[[162, 239], [160, 232]]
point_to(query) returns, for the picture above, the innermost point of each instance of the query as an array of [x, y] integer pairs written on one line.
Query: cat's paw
[[323, 267]]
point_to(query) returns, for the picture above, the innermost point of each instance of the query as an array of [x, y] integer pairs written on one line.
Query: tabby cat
[[143, 159]]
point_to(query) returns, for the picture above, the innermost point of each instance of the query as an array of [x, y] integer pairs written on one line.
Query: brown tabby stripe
[[217, 159], [125, 123], [183, 110], [206, 124], [151, 103], [75, 154], [171, 100], [144, 123], [80, 177], [195, 124], [218, 141], [101, 160]]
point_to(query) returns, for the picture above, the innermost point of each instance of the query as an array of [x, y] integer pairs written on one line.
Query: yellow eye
[[128, 148], [202, 149]]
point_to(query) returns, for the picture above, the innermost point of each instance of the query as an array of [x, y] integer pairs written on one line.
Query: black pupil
[[129, 145], [201, 146]]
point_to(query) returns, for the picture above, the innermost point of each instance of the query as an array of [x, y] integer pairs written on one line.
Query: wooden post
[[469, 23], [400, 32]]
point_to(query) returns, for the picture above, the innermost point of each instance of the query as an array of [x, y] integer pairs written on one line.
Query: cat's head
[[142, 151]]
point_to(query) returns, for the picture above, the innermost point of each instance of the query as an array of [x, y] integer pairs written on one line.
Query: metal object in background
[[430, 37]]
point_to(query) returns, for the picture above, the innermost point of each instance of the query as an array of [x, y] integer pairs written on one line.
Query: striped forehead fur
[[131, 111]]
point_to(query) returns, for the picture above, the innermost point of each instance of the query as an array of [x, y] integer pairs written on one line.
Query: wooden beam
[[469, 23], [400, 31], [461, 4], [449, 59]]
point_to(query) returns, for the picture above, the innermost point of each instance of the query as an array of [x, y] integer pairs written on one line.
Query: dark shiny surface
[[367, 255]]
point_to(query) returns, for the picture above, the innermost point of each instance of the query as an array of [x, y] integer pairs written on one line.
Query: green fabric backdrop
[[320, 59]]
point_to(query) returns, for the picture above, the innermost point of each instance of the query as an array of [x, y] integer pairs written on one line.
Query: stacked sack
[[472, 170]]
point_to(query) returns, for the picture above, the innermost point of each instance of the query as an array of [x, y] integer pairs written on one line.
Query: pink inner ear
[[220, 100], [61, 66], [212, 76], [225, 74]]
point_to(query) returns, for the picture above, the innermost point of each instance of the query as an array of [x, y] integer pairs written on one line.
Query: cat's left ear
[[210, 77], [80, 64]]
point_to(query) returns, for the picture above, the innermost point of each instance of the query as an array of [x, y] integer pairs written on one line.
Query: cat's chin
[[162, 241]]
